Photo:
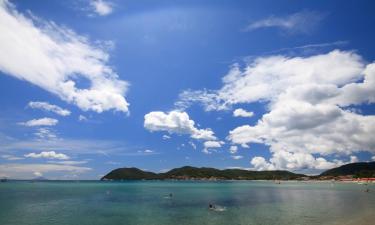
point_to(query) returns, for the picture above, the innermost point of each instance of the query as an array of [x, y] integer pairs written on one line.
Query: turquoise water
[[145, 202]]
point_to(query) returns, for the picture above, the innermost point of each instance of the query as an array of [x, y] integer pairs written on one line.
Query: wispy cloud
[[67, 146], [70, 162], [43, 133], [49, 107], [300, 22], [236, 157], [40, 122], [308, 49], [11, 157], [27, 171], [57, 60]]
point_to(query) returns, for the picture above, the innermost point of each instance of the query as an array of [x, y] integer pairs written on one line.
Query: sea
[[185, 202]]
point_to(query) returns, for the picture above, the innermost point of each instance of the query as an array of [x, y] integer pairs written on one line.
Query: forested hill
[[203, 173], [361, 169]]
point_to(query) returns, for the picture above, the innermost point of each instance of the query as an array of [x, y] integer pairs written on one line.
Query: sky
[[88, 86]]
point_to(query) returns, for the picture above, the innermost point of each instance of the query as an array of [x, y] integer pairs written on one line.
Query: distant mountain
[[362, 169], [204, 173]]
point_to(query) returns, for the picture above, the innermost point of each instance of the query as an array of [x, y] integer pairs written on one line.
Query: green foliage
[[189, 172], [358, 170]]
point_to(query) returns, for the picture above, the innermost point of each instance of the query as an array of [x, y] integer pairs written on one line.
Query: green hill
[[129, 174], [362, 169], [204, 173]]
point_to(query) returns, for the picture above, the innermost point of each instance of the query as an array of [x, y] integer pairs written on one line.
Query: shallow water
[[145, 202]]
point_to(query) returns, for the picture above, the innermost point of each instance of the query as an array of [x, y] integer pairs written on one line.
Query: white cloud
[[244, 145], [82, 118], [373, 158], [233, 149], [353, 159], [194, 146], [38, 174], [296, 161], [300, 22], [166, 137], [45, 134], [68, 162], [101, 7], [78, 146], [242, 113], [211, 145], [47, 155], [260, 164], [49, 107], [11, 157], [40, 122], [57, 59], [311, 105], [176, 122], [148, 151], [26, 171], [236, 157]]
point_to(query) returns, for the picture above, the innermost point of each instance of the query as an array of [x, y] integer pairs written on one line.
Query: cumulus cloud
[[211, 145], [40, 122], [176, 122], [242, 113], [310, 104], [296, 161], [300, 22], [233, 149], [47, 155], [101, 7], [49, 107], [58, 60], [260, 164]]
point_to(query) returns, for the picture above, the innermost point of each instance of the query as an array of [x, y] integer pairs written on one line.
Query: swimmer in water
[[169, 196]]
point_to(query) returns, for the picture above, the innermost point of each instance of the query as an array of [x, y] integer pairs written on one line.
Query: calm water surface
[[246, 202]]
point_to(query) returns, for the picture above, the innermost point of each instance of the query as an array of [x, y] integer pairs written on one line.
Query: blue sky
[[89, 86]]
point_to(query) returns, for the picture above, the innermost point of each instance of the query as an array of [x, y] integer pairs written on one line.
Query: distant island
[[352, 170], [203, 173]]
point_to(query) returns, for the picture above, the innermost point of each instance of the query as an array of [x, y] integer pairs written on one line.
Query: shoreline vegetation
[[353, 172]]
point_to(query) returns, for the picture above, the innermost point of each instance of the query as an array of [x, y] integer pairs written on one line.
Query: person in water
[[210, 206]]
